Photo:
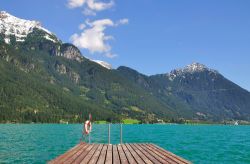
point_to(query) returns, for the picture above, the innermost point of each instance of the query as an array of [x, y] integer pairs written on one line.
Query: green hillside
[[39, 86], [45, 80]]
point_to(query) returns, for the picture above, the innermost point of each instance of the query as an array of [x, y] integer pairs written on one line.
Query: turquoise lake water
[[39, 143]]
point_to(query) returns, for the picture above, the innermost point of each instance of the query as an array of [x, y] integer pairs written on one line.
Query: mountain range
[[46, 80]]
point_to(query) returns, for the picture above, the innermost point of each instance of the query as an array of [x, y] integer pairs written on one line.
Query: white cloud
[[98, 6], [90, 6], [94, 39], [100, 24], [75, 3]]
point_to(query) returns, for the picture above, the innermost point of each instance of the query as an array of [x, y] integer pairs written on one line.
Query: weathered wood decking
[[118, 154]]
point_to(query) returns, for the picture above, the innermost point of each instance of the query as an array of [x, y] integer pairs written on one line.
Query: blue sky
[[156, 36]]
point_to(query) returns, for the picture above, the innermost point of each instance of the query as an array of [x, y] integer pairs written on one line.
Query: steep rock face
[[63, 70], [71, 52], [74, 77], [60, 68]]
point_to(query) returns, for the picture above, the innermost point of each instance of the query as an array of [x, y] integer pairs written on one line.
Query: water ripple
[[39, 143]]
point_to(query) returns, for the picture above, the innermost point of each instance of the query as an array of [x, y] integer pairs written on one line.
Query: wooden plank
[[122, 155], [72, 158], [143, 157], [129, 156], [102, 155], [67, 154], [109, 155], [135, 155], [169, 155], [90, 154], [159, 155], [95, 157], [148, 155], [173, 156], [116, 158], [118, 154], [182, 159], [83, 154]]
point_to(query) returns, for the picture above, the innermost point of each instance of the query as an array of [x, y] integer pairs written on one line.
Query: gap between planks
[[118, 154]]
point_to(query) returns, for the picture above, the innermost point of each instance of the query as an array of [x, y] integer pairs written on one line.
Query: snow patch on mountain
[[195, 67], [49, 38], [104, 64], [20, 28], [191, 68]]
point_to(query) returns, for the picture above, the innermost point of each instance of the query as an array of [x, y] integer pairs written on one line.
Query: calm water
[[38, 143]]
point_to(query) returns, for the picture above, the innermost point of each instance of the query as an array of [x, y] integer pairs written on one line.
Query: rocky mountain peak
[[20, 28], [194, 67], [190, 69]]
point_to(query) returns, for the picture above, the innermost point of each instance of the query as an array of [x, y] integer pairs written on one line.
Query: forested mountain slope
[[45, 80]]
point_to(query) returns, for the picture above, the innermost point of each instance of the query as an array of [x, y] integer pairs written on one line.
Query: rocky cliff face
[[71, 52], [66, 50], [63, 70]]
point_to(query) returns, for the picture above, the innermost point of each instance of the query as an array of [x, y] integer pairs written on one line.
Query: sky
[[151, 36]]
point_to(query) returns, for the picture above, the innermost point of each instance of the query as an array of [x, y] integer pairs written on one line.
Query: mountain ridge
[[20, 28], [47, 81]]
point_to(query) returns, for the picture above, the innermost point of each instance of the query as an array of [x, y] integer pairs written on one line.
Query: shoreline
[[193, 124]]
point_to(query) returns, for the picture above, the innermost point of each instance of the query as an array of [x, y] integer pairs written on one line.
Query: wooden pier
[[118, 154]]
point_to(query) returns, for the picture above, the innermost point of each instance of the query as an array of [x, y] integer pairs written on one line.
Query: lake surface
[[38, 143]]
